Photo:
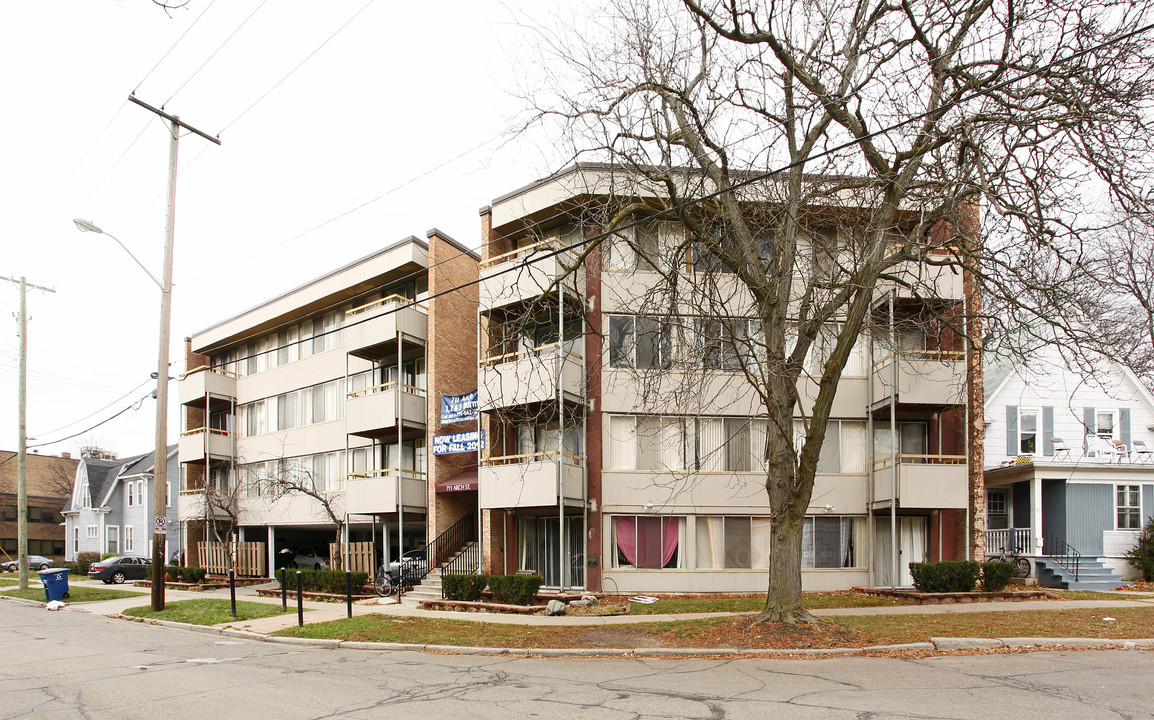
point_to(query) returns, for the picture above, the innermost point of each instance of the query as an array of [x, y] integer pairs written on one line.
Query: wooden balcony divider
[[362, 557], [251, 558]]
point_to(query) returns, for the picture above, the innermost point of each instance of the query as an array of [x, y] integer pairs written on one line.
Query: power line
[[298, 66], [162, 58], [214, 52], [95, 412], [134, 406], [118, 161], [731, 188], [90, 149]]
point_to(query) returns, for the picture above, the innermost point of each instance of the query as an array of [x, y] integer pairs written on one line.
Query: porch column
[[1036, 515], [271, 551]]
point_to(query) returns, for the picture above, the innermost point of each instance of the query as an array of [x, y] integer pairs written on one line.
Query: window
[[732, 542], [842, 451], [75, 540], [1129, 506], [833, 542], [129, 492], [646, 247], [639, 342], [287, 411], [139, 492], [997, 510], [1028, 431], [92, 531], [112, 539], [647, 542], [1105, 424], [129, 538]]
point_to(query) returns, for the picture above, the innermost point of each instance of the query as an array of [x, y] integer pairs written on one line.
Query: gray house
[[1069, 466], [110, 509]]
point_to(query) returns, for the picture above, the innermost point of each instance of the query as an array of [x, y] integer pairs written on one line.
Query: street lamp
[[160, 489]]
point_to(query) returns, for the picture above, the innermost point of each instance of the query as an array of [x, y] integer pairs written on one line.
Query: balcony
[[215, 384], [375, 492], [372, 412], [201, 445], [522, 481], [924, 377], [528, 272], [925, 482], [531, 376], [371, 330]]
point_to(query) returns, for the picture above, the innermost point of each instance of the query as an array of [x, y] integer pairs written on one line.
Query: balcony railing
[[1012, 541], [539, 351], [912, 459], [549, 243], [398, 300], [385, 387], [540, 456]]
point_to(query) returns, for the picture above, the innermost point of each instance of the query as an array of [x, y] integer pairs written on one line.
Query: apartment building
[[308, 418], [598, 476], [49, 481]]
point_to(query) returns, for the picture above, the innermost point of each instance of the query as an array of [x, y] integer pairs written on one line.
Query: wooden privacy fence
[[362, 557], [251, 558]]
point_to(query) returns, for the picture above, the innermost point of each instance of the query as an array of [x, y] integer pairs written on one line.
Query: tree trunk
[[783, 602]]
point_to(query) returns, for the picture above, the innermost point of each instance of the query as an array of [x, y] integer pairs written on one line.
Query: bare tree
[[958, 137]]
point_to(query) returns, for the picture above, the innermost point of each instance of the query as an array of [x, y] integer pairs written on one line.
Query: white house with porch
[[1069, 467]]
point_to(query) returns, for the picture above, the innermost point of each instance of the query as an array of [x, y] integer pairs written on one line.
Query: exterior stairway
[[1092, 575], [430, 587]]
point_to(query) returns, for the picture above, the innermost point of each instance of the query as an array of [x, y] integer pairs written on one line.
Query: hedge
[[322, 581], [1141, 556], [996, 575], [945, 577], [193, 575], [515, 589], [464, 587]]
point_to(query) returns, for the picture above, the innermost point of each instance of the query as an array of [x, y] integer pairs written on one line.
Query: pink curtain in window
[[626, 529], [647, 542]]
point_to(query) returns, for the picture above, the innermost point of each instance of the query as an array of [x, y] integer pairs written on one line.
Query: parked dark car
[[120, 568], [35, 562]]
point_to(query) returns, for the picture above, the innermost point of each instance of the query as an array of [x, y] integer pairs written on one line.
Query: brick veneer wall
[[451, 357]]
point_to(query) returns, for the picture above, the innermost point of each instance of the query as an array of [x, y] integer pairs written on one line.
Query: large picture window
[[833, 542], [732, 542], [639, 342], [647, 542]]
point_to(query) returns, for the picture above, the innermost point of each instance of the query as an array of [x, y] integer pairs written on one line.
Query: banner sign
[[459, 408], [458, 442]]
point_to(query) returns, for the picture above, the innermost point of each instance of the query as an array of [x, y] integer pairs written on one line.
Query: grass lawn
[[209, 611], [75, 594], [738, 633]]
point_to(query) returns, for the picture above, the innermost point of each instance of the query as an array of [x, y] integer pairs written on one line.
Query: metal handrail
[[404, 473], [526, 250], [910, 459], [212, 369], [1067, 556], [539, 351], [539, 456], [385, 387], [211, 431], [394, 298]]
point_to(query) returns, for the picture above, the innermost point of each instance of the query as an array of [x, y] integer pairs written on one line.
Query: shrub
[[105, 556], [193, 575], [85, 559], [515, 589], [947, 576], [322, 581], [996, 575], [464, 587], [1141, 556]]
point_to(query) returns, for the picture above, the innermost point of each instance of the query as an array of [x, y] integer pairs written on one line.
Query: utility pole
[[22, 441], [160, 488]]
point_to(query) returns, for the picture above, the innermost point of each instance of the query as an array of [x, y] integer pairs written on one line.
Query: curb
[[937, 643]]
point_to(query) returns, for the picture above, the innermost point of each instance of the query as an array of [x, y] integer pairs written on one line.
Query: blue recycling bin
[[55, 583]]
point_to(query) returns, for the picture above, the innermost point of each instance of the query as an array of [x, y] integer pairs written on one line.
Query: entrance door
[[540, 550], [912, 547]]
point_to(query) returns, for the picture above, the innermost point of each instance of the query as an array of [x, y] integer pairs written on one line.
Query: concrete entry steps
[[1092, 575]]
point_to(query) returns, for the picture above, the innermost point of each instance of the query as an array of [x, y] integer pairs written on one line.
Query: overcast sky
[[395, 126]]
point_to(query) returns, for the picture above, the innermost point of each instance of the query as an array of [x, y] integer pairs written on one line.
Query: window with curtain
[[833, 542], [729, 542], [646, 542]]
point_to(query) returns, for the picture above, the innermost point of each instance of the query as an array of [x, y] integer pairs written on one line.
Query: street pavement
[[70, 664]]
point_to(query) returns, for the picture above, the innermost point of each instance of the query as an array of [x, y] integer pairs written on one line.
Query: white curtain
[[853, 447], [710, 543], [855, 366], [621, 255], [710, 444], [758, 436], [623, 442], [759, 542], [673, 443], [648, 443]]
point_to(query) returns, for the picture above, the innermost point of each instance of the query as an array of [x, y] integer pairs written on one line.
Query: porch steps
[[430, 587], [1092, 575]]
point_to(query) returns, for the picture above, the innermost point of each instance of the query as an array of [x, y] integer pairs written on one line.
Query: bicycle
[[1022, 565], [383, 582]]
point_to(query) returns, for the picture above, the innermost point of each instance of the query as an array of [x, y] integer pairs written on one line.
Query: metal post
[[300, 603], [283, 589], [894, 440], [349, 592], [232, 589]]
